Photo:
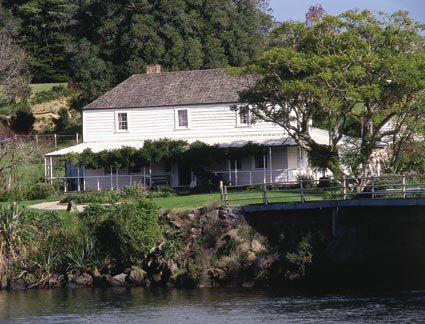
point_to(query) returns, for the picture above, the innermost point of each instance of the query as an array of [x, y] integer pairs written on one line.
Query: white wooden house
[[187, 105]]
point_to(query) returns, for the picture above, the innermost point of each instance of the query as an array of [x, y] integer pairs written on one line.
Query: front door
[[185, 174]]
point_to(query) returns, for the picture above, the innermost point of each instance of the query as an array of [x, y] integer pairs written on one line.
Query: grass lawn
[[247, 197], [39, 87], [187, 201], [192, 201], [235, 198]]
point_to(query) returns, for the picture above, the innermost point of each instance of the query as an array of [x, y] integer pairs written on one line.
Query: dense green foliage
[[123, 233], [109, 197], [326, 70], [54, 93], [197, 153], [46, 34], [30, 192], [103, 42], [23, 121], [43, 243]]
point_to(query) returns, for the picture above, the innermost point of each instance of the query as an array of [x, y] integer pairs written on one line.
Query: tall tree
[[355, 66], [46, 33], [14, 76], [8, 22], [94, 73], [178, 34]]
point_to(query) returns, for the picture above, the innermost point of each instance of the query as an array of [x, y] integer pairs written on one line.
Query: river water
[[202, 306]]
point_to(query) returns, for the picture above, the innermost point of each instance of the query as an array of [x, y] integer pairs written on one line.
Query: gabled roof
[[173, 89]]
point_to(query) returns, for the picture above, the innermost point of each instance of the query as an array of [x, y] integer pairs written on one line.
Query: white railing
[[108, 182], [394, 186], [84, 182], [252, 177]]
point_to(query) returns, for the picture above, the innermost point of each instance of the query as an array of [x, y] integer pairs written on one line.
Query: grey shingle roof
[[172, 88]]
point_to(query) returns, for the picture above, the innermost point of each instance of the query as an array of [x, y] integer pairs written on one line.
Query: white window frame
[[176, 118], [240, 123], [258, 157], [117, 122]]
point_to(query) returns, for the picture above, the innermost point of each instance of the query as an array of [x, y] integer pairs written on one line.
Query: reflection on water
[[93, 306]]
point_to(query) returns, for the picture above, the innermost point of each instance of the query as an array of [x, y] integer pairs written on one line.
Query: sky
[[296, 9]]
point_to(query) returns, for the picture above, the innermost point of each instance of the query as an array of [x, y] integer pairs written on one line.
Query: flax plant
[[15, 238]]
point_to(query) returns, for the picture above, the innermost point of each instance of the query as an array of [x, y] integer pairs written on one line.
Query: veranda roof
[[272, 139]]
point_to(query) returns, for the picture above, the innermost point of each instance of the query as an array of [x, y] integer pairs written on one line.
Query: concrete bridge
[[373, 242]]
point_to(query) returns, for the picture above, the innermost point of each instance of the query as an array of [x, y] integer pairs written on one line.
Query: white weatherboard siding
[[156, 123]]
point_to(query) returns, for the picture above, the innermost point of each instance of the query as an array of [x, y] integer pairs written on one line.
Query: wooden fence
[[392, 186], [51, 140]]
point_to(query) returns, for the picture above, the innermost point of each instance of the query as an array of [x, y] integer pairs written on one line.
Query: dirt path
[[55, 205]]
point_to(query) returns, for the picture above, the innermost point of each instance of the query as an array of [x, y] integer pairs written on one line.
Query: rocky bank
[[206, 247]]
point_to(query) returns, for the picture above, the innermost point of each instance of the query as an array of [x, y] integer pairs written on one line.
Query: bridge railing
[[389, 186]]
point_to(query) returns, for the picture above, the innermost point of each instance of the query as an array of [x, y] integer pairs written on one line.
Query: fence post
[[56, 140], [265, 202], [236, 172], [112, 185], [302, 191], [403, 188], [344, 183], [78, 179], [117, 179], [221, 190], [76, 138], [225, 195], [373, 186]]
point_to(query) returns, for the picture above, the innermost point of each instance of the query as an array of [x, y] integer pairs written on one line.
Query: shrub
[[13, 238], [12, 194], [40, 191], [161, 192], [246, 232], [55, 93], [23, 121], [173, 244], [300, 259], [134, 191], [127, 232], [308, 180], [63, 121], [93, 197], [229, 246], [93, 214]]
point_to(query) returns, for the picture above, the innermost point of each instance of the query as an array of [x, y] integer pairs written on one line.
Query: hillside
[[47, 100]]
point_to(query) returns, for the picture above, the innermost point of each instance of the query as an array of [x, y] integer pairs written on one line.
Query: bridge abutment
[[355, 244]]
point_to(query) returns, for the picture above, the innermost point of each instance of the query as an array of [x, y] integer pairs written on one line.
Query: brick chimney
[[154, 68]]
